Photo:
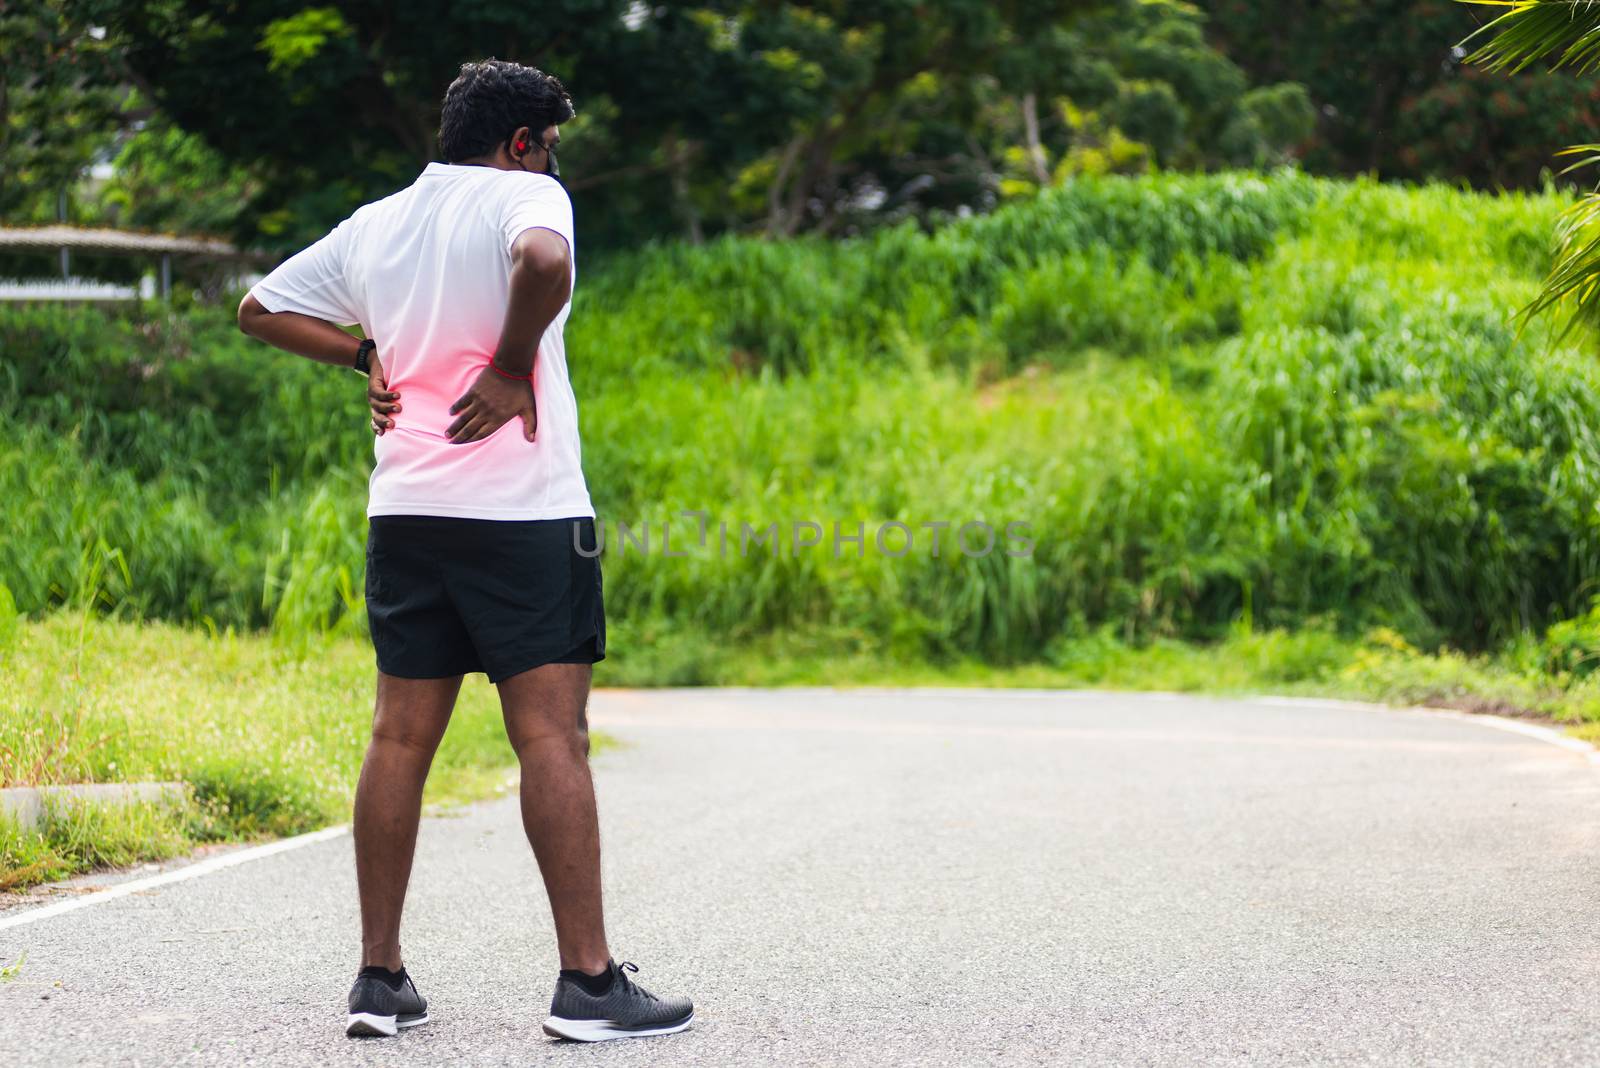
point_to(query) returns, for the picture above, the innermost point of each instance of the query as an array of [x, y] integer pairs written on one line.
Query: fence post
[[61, 217]]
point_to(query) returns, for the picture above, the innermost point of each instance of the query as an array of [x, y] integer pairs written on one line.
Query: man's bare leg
[[546, 719], [407, 724]]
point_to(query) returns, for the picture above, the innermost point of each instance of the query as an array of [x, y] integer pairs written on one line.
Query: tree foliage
[[1397, 95], [60, 102], [694, 118]]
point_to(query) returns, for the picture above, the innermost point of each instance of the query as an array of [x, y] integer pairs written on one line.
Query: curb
[[26, 805]]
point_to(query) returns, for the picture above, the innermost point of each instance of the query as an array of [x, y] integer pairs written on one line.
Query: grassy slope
[[1211, 397]]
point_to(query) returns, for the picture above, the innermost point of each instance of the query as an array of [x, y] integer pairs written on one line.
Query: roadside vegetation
[[1265, 432], [268, 739], [1546, 680]]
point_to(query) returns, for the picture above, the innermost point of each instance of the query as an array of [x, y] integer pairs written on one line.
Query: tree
[[60, 95], [882, 80], [167, 179], [1396, 95]]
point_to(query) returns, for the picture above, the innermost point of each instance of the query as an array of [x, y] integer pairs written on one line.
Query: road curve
[[923, 878]]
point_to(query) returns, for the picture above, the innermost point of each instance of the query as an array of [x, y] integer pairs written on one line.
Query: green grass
[[268, 737]]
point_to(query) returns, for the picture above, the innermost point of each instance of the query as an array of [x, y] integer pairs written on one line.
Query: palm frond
[[1567, 32], [1588, 160], [1573, 284]]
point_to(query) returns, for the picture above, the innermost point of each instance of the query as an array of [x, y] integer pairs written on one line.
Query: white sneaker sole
[[371, 1025], [606, 1030]]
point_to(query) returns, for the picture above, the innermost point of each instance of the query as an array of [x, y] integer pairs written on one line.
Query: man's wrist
[[494, 365], [362, 365]]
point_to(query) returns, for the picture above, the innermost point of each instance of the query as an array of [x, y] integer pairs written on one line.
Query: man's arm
[[302, 335], [541, 282], [308, 294]]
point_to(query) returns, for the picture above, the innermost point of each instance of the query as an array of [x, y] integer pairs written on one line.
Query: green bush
[[1572, 646]]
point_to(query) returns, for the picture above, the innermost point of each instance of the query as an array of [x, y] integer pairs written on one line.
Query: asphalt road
[[924, 878]]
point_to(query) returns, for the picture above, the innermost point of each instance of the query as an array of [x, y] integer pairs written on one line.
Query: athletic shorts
[[448, 596]]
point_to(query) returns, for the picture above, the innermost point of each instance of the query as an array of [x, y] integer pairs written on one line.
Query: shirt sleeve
[[314, 281], [535, 200]]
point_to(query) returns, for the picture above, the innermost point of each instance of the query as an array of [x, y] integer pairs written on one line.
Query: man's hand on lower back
[[383, 401], [492, 401]]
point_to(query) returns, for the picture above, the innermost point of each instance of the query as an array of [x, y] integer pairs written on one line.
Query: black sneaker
[[378, 1009], [626, 1010]]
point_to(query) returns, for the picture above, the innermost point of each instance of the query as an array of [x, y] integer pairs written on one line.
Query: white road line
[[1548, 735], [1517, 726], [204, 867]]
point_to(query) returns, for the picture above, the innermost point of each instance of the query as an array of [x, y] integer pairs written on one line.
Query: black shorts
[[447, 596]]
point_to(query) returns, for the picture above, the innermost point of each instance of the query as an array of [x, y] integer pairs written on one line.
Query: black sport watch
[[362, 367]]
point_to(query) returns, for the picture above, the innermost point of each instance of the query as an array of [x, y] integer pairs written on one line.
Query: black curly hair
[[488, 101]]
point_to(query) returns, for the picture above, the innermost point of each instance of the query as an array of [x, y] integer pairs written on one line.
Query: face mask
[[551, 167]]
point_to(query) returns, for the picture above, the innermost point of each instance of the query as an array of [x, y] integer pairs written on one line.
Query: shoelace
[[622, 976]]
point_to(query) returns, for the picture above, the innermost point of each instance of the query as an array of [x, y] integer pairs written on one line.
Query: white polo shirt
[[426, 272]]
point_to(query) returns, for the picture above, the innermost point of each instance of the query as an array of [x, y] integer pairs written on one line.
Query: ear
[[524, 138]]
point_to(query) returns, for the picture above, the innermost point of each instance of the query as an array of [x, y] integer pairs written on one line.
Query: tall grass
[[1209, 398]]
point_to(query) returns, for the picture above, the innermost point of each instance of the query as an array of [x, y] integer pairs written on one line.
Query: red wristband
[[507, 374]]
